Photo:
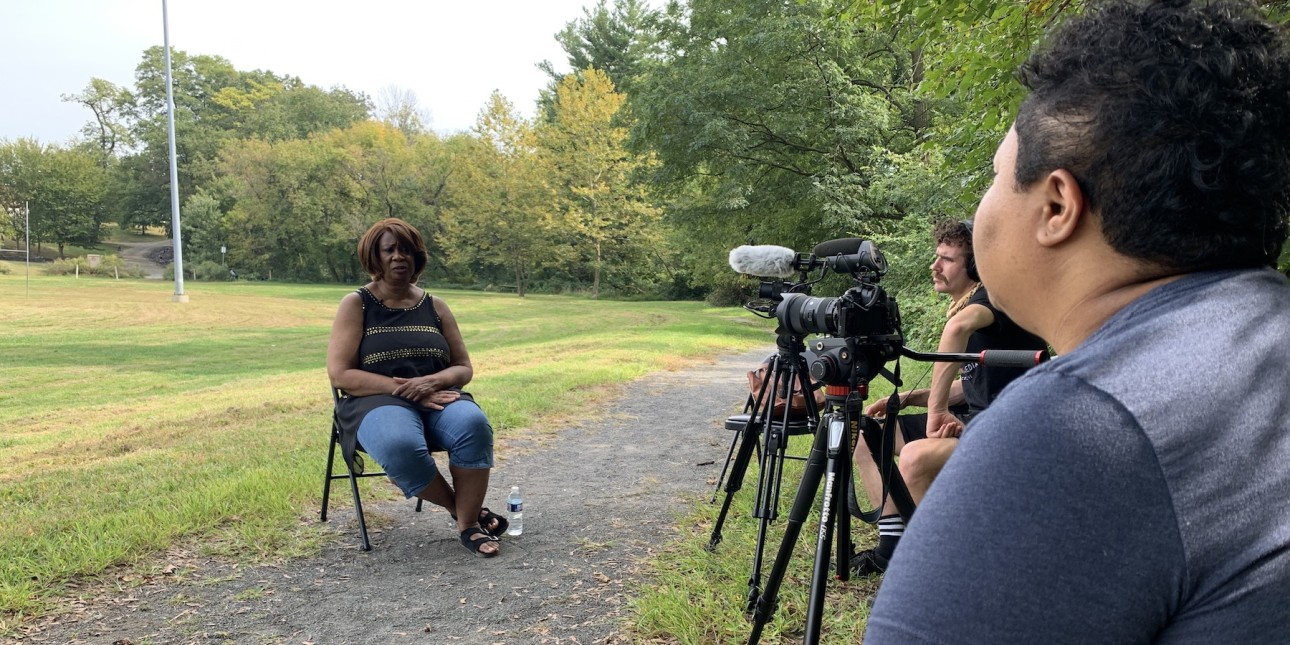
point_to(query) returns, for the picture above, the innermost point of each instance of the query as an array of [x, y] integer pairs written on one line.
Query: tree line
[[683, 132]]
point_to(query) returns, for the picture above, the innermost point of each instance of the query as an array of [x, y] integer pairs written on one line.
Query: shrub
[[205, 271], [729, 295], [111, 266]]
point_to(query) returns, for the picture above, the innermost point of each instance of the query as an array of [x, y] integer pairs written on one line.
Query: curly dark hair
[[1174, 118], [954, 233], [409, 239]]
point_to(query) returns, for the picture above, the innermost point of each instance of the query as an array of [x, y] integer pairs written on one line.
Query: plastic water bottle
[[515, 504]]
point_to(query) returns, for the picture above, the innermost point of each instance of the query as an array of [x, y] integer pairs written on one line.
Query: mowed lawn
[[130, 423]]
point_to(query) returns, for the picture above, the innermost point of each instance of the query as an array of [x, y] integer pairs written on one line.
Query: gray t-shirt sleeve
[[1051, 523]]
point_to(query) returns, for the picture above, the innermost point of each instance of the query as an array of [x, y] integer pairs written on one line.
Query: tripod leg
[[747, 442], [814, 471], [750, 407], [734, 442], [844, 490], [766, 508], [831, 508]]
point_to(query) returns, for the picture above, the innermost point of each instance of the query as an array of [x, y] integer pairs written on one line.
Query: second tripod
[[767, 433]]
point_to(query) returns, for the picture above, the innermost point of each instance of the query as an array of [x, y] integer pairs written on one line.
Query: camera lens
[[804, 315]]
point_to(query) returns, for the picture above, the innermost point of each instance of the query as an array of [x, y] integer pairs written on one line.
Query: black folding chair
[[336, 395]]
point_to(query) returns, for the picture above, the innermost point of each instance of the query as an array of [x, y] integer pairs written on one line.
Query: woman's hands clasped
[[425, 390]]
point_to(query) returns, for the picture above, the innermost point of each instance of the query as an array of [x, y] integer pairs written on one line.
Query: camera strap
[[882, 447]]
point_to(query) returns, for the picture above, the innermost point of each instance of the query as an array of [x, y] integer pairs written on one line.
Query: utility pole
[[180, 296]]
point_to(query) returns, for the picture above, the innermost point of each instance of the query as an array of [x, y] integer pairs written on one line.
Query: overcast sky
[[451, 53]]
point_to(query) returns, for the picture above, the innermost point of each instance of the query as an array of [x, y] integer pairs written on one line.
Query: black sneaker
[[867, 563]]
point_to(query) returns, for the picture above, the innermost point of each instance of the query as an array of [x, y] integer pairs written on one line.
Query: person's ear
[[1064, 208]]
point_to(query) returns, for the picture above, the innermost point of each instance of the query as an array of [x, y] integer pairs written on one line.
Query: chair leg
[[331, 458], [358, 510], [353, 486]]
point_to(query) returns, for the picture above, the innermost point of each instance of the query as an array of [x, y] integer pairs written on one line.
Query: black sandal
[[485, 517], [473, 544]]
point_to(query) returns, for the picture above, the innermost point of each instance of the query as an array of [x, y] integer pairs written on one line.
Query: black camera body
[[864, 322], [862, 310]]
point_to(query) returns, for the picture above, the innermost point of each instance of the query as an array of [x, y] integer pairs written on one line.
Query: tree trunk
[[595, 279]]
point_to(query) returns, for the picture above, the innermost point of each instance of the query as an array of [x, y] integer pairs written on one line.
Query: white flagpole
[[180, 296]]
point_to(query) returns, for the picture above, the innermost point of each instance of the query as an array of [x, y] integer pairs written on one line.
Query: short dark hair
[[1175, 120], [407, 237]]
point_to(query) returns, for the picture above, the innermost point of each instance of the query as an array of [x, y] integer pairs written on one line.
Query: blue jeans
[[401, 439]]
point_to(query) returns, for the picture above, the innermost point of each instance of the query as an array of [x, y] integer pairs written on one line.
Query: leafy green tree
[[109, 105], [618, 41], [971, 50], [64, 189], [215, 104], [277, 226], [139, 195], [968, 52], [204, 230], [295, 208], [777, 123], [299, 110], [499, 221], [614, 226]]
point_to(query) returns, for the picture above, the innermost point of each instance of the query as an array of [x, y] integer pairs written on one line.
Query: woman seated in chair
[[397, 353]]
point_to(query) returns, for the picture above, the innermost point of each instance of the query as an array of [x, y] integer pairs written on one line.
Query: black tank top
[[982, 384], [404, 342], [401, 342]]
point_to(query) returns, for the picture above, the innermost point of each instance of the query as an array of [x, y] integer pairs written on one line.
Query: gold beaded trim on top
[[409, 352]]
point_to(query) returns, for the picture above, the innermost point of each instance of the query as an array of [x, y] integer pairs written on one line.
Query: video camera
[[863, 333], [864, 321]]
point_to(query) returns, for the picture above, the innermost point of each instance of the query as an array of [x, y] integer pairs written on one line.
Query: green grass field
[[130, 424]]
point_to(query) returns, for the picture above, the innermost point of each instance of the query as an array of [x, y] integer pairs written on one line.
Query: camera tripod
[[768, 436], [830, 461]]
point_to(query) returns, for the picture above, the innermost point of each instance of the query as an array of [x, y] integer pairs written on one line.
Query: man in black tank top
[[927, 440]]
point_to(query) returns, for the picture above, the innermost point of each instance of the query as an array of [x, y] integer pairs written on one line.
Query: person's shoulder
[[1083, 408], [437, 301], [354, 298], [977, 312], [980, 298]]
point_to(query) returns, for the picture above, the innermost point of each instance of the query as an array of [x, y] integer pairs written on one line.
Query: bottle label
[[516, 507]]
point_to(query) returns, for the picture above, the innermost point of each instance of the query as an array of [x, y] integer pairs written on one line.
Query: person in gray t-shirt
[[1137, 214]]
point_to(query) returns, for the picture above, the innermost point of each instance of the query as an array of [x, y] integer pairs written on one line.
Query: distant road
[[142, 256]]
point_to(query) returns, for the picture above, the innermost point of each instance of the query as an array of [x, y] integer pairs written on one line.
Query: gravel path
[[139, 255], [599, 496]]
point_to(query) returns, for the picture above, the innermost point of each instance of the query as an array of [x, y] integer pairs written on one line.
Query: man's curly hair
[[1174, 117], [954, 233]]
